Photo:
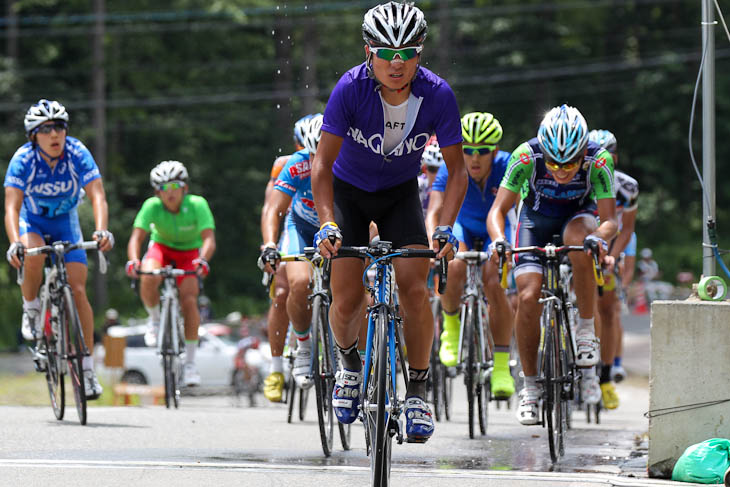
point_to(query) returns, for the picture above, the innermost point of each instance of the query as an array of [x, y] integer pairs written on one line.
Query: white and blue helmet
[[604, 138], [563, 134], [312, 132], [43, 111], [299, 129]]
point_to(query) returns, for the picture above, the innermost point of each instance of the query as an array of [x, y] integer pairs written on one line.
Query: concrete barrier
[[690, 365]]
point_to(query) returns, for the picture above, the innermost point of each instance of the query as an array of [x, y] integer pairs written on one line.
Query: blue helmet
[[563, 134], [299, 130], [604, 138]]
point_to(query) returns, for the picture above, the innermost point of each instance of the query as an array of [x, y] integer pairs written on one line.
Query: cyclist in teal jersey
[[182, 233], [568, 178], [43, 187], [277, 318], [485, 164], [378, 120], [293, 188], [609, 307]]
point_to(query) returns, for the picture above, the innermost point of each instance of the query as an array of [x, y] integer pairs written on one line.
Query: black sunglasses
[[47, 128]]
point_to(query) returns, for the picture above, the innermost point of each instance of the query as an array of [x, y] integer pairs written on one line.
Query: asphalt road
[[210, 440]]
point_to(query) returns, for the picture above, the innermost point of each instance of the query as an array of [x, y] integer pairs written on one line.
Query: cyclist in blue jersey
[[43, 185], [609, 307], [294, 187], [378, 120], [485, 164], [568, 177], [277, 318]]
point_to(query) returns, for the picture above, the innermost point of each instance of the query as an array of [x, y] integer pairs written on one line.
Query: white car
[[214, 358]]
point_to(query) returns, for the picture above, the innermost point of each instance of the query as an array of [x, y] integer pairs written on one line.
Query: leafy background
[[218, 84]]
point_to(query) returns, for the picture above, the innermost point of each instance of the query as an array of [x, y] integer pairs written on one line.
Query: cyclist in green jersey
[[569, 179], [182, 231]]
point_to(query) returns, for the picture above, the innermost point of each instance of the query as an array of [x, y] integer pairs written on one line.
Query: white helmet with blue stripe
[[604, 138], [312, 132], [299, 129], [563, 134]]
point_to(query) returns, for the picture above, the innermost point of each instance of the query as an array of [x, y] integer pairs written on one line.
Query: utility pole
[[708, 133], [99, 121]]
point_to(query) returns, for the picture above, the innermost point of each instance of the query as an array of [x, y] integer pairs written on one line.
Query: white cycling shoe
[[91, 385], [191, 377], [590, 390], [29, 325], [588, 350], [302, 367], [528, 411], [618, 373]]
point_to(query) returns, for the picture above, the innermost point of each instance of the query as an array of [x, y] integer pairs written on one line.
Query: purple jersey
[[355, 113]]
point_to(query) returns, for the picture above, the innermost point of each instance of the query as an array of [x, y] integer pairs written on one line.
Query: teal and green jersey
[[181, 230], [528, 176]]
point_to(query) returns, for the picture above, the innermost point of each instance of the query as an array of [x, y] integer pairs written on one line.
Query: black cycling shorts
[[397, 212], [537, 229]]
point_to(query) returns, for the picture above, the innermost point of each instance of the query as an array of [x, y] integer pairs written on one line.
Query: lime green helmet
[[480, 128]]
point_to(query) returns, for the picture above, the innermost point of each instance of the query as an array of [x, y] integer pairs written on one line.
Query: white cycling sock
[[585, 327], [34, 304], [154, 312], [277, 365], [190, 347], [87, 363]]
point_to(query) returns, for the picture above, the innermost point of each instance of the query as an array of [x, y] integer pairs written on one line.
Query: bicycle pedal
[[417, 439]]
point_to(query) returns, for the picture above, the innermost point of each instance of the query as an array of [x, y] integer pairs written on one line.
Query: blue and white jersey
[[295, 179], [51, 193]]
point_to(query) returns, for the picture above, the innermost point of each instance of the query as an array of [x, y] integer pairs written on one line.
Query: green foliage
[[218, 85]]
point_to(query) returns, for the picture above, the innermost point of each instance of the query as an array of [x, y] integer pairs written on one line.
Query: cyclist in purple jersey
[[568, 178], [485, 164], [378, 120], [43, 187]]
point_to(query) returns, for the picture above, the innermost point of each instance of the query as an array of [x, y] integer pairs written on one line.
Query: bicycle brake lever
[[102, 262]]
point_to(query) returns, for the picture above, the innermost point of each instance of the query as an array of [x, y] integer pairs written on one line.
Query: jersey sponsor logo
[[51, 189], [525, 158], [62, 168], [284, 185], [600, 162], [16, 181], [395, 125], [307, 202], [300, 169], [567, 194], [375, 142]]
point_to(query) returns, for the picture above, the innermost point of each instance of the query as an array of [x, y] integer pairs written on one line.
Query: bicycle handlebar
[[62, 247], [168, 272]]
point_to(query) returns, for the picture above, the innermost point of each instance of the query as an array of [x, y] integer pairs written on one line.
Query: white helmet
[[167, 171], [43, 111], [563, 134], [312, 132], [394, 24], [299, 129], [432, 156]]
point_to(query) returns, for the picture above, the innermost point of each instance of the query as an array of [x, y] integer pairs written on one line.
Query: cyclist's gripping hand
[[444, 241], [131, 268], [15, 253], [201, 266], [593, 244], [500, 248], [105, 239], [268, 259], [328, 239]]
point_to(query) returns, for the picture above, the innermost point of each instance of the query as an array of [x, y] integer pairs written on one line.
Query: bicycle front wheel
[[551, 384], [75, 351], [470, 368], [170, 360], [323, 374], [435, 380], [54, 375], [377, 407]]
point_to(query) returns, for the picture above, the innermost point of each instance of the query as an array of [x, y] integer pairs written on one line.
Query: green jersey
[[181, 230]]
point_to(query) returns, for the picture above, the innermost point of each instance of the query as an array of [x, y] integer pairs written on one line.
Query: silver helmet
[[168, 171], [394, 24], [44, 111]]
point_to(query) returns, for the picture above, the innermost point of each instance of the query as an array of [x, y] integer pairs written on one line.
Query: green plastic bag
[[704, 463]]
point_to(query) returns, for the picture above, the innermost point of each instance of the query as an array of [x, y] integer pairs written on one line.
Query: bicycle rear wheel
[[75, 351], [323, 374], [54, 376], [376, 406]]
